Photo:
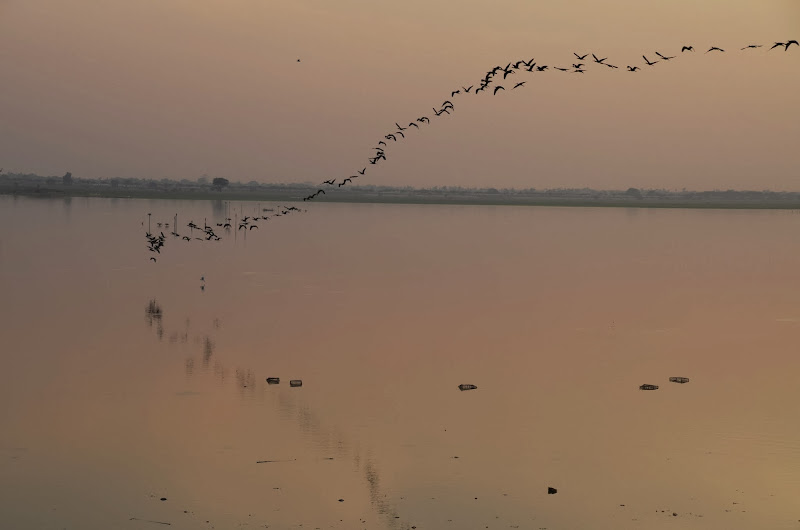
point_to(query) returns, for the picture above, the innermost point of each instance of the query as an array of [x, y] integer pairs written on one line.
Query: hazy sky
[[181, 88]]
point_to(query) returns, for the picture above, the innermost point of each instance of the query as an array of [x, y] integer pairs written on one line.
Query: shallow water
[[556, 314]]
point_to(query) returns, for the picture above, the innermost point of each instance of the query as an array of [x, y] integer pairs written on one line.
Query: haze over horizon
[[181, 89]]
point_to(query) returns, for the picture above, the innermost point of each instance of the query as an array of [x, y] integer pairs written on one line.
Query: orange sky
[[183, 88]]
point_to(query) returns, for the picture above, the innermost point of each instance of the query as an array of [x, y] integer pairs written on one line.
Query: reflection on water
[[556, 315]]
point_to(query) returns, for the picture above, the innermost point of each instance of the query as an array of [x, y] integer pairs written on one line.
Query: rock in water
[[467, 387], [680, 380], [648, 387], [296, 382], [273, 380], [551, 491]]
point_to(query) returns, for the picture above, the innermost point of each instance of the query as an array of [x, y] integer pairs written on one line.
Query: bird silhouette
[[466, 90], [412, 124], [664, 57], [778, 44], [633, 68], [563, 69], [329, 182], [400, 128], [153, 259], [253, 226], [521, 83], [580, 58], [498, 87], [789, 43], [362, 171], [687, 49], [711, 49], [391, 137], [454, 92], [600, 61], [753, 46], [649, 63]]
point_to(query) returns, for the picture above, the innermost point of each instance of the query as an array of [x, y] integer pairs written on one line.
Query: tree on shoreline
[[219, 183]]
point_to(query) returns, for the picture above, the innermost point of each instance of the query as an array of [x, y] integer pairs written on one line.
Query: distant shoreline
[[54, 187], [411, 197]]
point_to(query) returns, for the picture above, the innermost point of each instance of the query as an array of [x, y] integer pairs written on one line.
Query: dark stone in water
[[296, 382], [466, 387], [680, 380], [341, 500], [551, 491], [273, 380], [648, 387], [163, 498]]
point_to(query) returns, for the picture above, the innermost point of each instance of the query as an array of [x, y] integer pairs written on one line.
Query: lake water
[[556, 314]]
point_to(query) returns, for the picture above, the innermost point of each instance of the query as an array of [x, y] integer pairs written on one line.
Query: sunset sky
[[183, 88]]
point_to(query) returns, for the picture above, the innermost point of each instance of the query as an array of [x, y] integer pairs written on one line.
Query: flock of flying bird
[[155, 243], [487, 83]]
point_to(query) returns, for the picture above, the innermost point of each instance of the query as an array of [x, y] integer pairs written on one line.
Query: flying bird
[[466, 90], [580, 58], [633, 68], [687, 49], [454, 92], [753, 46], [778, 44], [711, 49], [649, 63], [562, 69], [790, 42], [400, 128], [665, 58], [498, 87], [391, 137], [153, 259], [599, 60], [521, 83], [412, 124], [330, 182], [362, 171]]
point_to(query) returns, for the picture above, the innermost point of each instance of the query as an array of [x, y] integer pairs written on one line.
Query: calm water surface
[[556, 314]]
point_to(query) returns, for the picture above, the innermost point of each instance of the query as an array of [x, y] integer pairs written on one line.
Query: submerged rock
[[467, 387], [296, 382], [648, 387], [551, 491]]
